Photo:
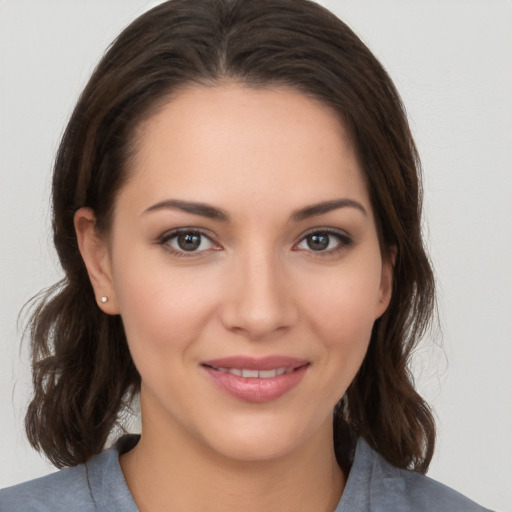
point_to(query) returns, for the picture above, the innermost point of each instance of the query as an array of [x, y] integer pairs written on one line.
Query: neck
[[169, 470]]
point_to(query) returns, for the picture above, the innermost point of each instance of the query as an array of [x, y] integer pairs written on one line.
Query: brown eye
[[328, 242], [189, 241], [318, 241]]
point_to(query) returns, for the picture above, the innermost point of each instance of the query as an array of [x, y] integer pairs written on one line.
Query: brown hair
[[83, 374]]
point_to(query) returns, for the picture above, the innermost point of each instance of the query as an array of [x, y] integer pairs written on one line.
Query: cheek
[[345, 301], [341, 310], [163, 309]]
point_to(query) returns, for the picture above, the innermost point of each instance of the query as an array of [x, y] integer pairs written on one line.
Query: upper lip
[[256, 363]]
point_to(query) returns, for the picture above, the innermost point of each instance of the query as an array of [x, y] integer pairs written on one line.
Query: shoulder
[[421, 492], [96, 486], [65, 490], [375, 485]]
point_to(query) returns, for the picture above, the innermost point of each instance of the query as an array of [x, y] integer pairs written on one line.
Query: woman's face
[[245, 263]]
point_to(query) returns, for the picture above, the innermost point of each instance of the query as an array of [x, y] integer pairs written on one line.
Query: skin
[[255, 287]]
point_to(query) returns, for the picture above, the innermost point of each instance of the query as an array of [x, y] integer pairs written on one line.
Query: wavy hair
[[83, 374]]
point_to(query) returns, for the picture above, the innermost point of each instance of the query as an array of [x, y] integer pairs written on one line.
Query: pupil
[[318, 242], [189, 241]]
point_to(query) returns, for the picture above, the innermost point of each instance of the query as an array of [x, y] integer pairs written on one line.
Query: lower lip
[[257, 390]]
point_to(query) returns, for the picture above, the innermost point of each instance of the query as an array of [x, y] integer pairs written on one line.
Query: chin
[[244, 449], [252, 441]]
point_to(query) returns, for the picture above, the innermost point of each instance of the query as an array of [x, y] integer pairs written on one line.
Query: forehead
[[217, 143]]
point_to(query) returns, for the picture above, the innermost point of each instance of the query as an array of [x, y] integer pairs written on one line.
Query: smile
[[256, 380], [255, 374]]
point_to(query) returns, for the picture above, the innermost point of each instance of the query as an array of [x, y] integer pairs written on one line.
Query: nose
[[260, 300]]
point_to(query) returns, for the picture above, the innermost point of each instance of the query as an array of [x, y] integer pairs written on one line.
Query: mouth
[[256, 379], [254, 374]]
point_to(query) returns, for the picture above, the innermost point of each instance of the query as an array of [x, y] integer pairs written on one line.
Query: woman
[[237, 211]]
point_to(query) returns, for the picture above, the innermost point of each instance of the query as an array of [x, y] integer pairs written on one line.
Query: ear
[[386, 281], [96, 256]]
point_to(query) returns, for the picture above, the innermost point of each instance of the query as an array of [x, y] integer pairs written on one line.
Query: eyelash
[[344, 242], [170, 235]]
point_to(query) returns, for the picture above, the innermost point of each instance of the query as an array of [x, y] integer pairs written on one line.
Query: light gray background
[[451, 61]]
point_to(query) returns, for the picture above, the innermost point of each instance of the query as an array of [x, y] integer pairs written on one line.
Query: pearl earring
[[104, 299]]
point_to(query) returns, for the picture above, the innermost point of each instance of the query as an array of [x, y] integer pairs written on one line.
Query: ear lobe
[[94, 251], [386, 281]]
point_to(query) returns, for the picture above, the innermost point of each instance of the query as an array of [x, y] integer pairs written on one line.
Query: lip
[[256, 389]]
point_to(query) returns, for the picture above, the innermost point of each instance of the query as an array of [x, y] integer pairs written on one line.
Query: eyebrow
[[326, 207], [212, 212], [204, 210]]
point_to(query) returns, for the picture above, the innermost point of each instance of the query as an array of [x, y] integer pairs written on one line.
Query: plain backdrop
[[451, 61]]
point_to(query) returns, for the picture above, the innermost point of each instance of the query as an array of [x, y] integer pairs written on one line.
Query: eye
[[186, 242], [327, 241]]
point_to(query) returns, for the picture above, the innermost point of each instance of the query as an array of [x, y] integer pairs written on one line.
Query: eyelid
[[165, 237], [345, 240]]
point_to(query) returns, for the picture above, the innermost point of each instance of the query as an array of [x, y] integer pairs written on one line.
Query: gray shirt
[[373, 485]]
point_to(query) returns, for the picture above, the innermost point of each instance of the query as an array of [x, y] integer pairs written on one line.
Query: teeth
[[256, 374], [250, 374], [267, 374]]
